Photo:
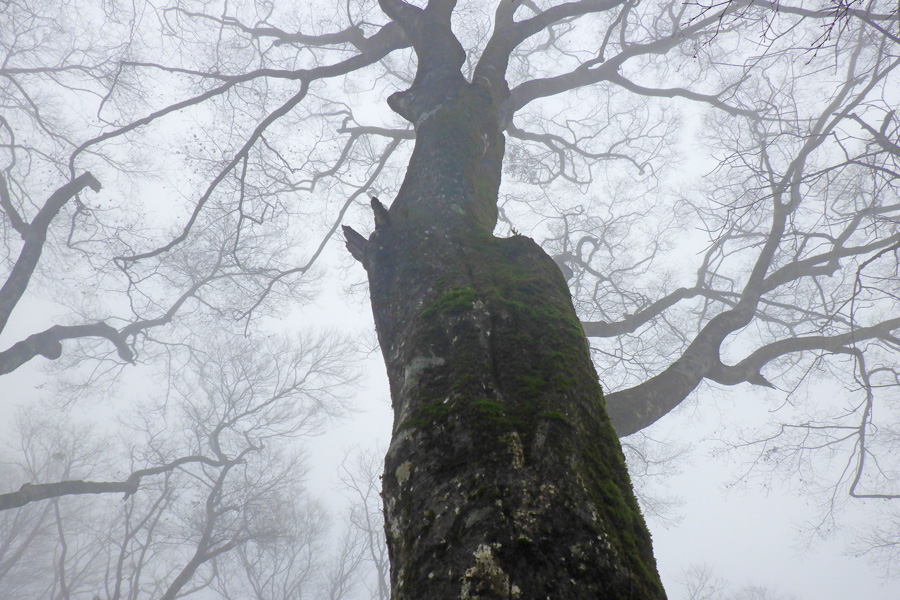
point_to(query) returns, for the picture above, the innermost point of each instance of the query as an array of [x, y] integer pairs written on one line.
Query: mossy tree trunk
[[504, 477]]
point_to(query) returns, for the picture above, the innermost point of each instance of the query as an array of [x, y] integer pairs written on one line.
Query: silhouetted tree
[[215, 499], [232, 141]]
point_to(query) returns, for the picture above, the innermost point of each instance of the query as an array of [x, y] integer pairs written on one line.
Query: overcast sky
[[751, 533]]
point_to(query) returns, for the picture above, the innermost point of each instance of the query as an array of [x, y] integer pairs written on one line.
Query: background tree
[[39, 556], [361, 476], [700, 583], [221, 502], [789, 109]]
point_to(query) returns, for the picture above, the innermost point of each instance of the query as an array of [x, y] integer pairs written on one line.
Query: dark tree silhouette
[[266, 128], [504, 477]]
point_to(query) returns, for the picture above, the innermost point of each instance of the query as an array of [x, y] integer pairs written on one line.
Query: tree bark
[[504, 477]]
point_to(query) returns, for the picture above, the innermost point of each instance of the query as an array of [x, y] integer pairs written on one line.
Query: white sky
[[750, 536]]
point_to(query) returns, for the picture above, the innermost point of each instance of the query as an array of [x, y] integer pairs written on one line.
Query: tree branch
[[596, 70], [712, 100], [507, 35], [602, 329], [638, 407], [352, 35], [33, 493], [748, 370], [882, 140], [34, 234], [306, 76], [48, 344], [15, 219]]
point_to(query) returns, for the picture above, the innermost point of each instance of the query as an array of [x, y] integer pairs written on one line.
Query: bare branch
[[42, 491], [35, 234], [48, 344]]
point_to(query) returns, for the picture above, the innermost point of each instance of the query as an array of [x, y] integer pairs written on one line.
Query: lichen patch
[[516, 450], [417, 366], [486, 579], [402, 473]]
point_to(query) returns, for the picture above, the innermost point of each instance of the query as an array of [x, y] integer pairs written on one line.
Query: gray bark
[[504, 478]]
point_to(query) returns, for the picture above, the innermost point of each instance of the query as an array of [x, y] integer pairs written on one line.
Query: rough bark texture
[[504, 478]]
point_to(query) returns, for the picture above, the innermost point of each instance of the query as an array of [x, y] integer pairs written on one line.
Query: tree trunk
[[504, 477]]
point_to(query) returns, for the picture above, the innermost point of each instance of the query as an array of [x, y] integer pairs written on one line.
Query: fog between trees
[[717, 182]]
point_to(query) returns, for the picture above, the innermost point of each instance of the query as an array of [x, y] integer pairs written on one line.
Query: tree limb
[[48, 344], [34, 234], [42, 491]]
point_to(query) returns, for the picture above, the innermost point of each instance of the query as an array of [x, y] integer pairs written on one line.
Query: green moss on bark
[[501, 440], [516, 363]]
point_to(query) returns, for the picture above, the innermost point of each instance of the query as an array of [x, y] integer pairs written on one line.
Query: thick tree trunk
[[504, 478]]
